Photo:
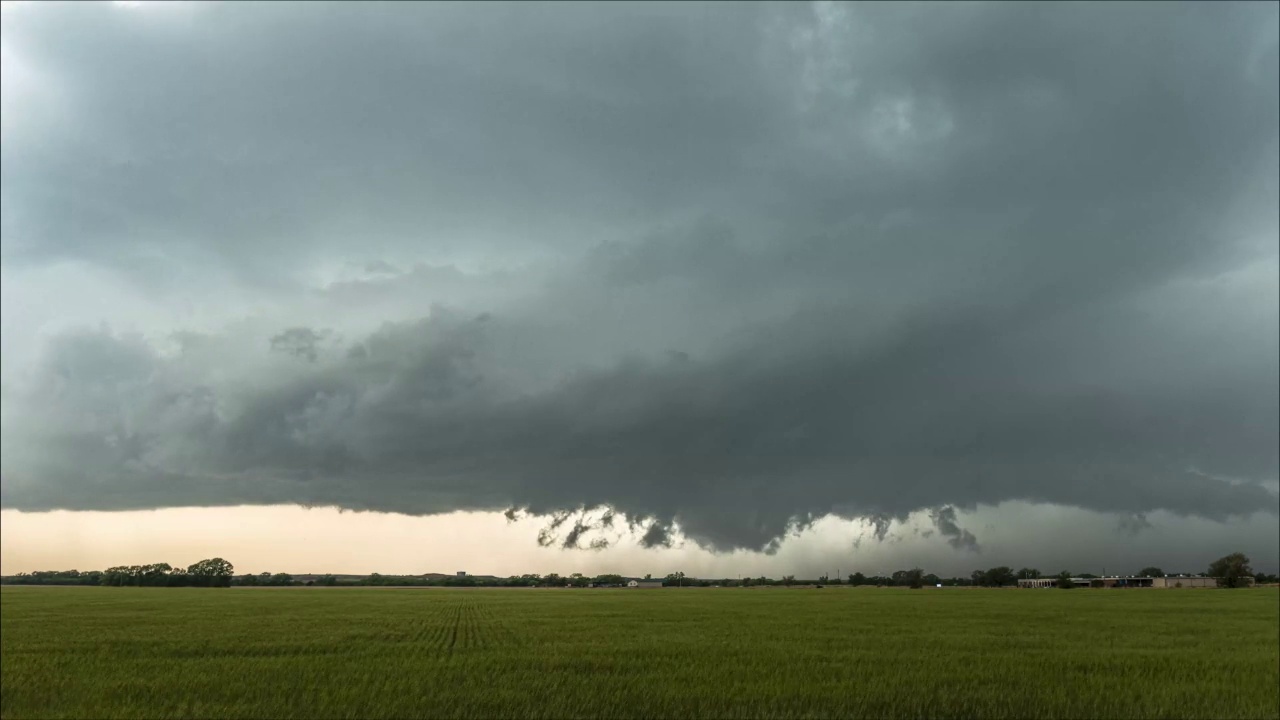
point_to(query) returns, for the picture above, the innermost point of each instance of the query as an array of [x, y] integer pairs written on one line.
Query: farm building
[[644, 584]]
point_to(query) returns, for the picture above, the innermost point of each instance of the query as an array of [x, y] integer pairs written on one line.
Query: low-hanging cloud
[[944, 519], [782, 269]]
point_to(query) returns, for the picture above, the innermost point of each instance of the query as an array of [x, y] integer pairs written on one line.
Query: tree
[[214, 572], [111, 576], [1064, 581], [1151, 572], [788, 579], [156, 574], [857, 579], [1231, 570], [327, 580], [998, 577], [915, 578]]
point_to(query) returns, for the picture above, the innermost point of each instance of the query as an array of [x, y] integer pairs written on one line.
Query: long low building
[[1186, 582], [1130, 581], [1125, 581], [1051, 582]]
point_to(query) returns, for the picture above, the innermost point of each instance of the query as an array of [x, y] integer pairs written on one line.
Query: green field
[[815, 653]]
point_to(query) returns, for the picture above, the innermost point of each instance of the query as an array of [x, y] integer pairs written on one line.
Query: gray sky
[[652, 275]]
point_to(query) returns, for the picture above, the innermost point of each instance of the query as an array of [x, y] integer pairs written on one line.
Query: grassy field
[[834, 652]]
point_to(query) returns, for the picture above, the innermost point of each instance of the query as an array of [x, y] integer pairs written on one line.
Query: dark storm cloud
[[856, 260], [299, 342], [944, 519], [258, 134]]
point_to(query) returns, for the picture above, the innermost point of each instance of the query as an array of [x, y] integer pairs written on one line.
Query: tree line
[[214, 572], [1232, 570]]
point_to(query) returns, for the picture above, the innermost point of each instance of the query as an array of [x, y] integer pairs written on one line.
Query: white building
[[644, 584]]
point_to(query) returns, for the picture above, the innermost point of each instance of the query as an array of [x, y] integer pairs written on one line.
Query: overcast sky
[[712, 286]]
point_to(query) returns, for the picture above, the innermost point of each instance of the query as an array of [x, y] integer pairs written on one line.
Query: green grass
[[732, 653]]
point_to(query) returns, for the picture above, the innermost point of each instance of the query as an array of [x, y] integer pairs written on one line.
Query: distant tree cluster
[[996, 577], [265, 579], [214, 572], [55, 577]]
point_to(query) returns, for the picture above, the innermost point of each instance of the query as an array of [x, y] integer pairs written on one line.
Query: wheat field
[[713, 653]]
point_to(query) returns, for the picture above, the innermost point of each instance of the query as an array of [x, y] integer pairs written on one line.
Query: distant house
[[644, 584], [462, 573]]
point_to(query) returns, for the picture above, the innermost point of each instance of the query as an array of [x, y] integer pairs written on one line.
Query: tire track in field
[[434, 632], [453, 630], [497, 625], [464, 627], [469, 633], [440, 633], [475, 631], [428, 637], [423, 625]]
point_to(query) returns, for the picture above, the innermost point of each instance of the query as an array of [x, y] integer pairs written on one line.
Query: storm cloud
[[723, 270]]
